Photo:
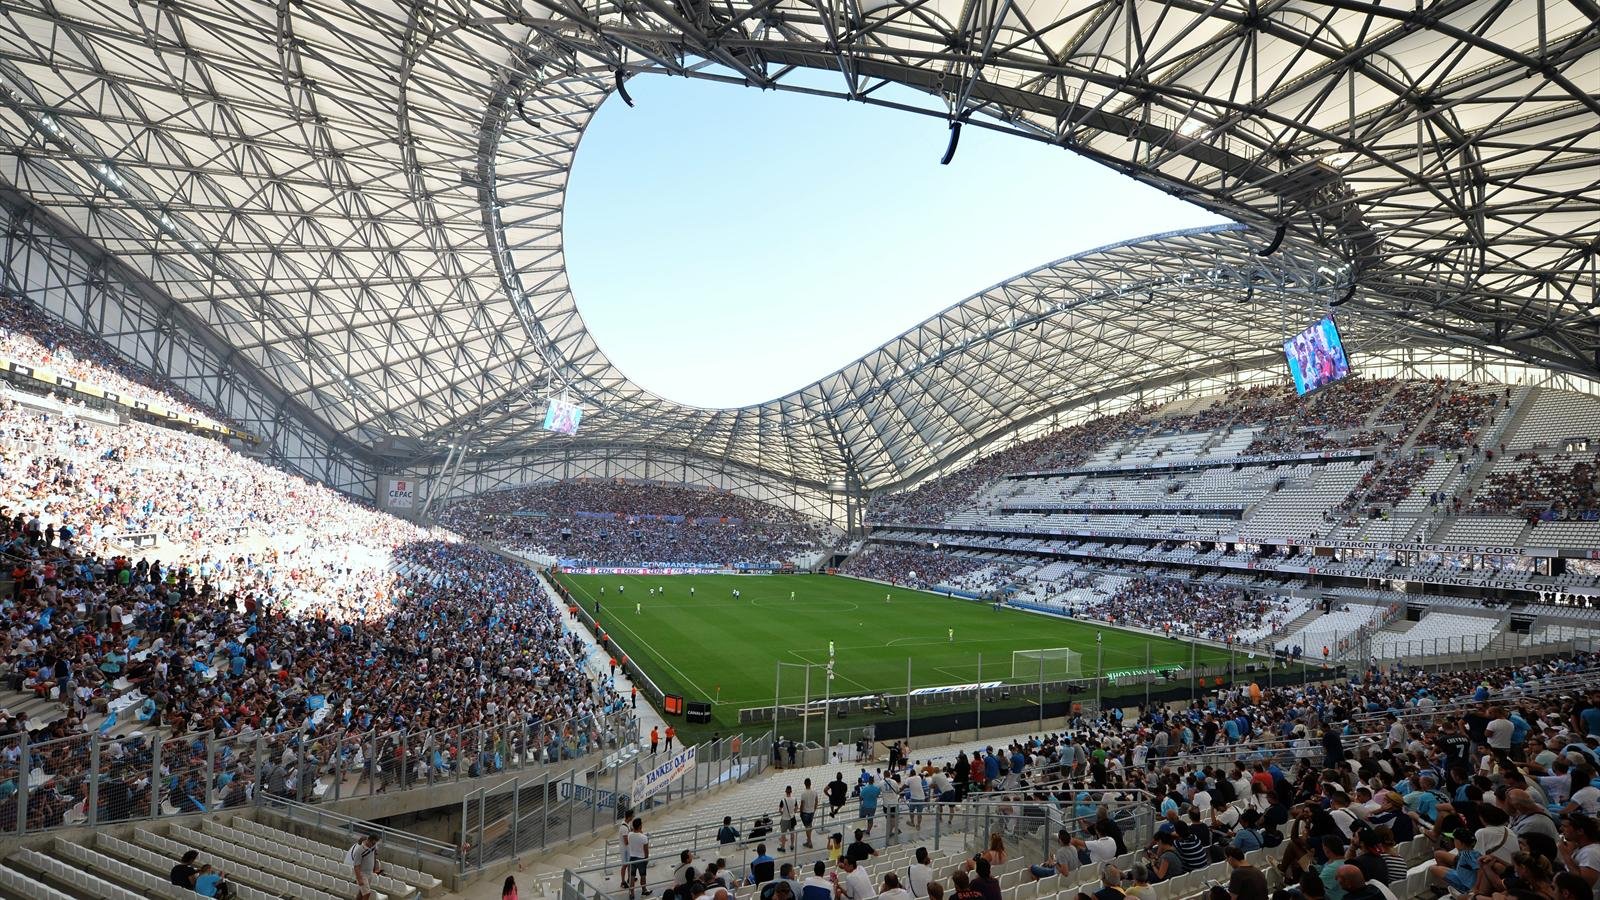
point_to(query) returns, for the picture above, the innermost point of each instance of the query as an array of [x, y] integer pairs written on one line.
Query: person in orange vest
[[633, 694], [613, 665], [655, 737], [671, 733]]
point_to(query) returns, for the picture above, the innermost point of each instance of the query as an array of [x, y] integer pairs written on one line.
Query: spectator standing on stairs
[[808, 809], [362, 858], [638, 849]]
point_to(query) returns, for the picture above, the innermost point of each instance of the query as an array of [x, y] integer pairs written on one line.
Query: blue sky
[[727, 246]]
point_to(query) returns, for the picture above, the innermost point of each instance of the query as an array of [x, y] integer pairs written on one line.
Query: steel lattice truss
[[364, 198]]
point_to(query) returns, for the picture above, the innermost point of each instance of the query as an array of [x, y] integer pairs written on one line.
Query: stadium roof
[[364, 198]]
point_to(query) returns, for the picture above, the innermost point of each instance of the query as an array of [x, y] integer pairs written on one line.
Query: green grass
[[712, 647]]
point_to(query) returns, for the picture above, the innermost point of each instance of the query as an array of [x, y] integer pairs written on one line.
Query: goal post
[[1053, 662]]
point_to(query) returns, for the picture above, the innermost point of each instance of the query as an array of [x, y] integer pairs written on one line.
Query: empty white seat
[[336, 868], [268, 881], [283, 838], [21, 885], [89, 884]]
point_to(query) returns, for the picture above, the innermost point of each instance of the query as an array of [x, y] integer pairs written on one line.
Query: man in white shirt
[[1498, 732], [851, 881], [622, 851], [1397, 733], [889, 802], [637, 844], [1102, 847], [1241, 782], [916, 798], [817, 885], [891, 888], [919, 873]]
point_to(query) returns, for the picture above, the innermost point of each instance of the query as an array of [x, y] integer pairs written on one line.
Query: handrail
[[352, 824]]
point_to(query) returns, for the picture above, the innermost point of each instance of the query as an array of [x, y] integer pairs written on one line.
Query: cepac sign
[[400, 493]]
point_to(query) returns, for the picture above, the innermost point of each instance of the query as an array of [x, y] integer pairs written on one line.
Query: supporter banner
[[399, 493], [1265, 459], [1330, 543], [577, 569], [584, 567], [955, 688], [1114, 506], [654, 781], [1479, 549], [1570, 515], [588, 796]]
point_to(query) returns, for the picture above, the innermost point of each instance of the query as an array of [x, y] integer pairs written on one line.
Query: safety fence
[[952, 831], [93, 779], [526, 813], [972, 693]]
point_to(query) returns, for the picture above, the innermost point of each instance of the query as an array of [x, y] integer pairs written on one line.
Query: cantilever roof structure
[[363, 198]]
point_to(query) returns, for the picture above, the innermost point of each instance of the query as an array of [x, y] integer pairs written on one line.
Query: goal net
[[1052, 662]]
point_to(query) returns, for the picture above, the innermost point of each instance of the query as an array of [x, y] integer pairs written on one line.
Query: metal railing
[[532, 813], [1028, 828], [90, 779]]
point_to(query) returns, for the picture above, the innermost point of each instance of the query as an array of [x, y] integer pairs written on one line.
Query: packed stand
[[33, 338], [921, 569], [349, 628], [104, 482], [633, 523], [1385, 484], [1186, 609], [1563, 483], [1461, 416], [1333, 419], [1483, 776]]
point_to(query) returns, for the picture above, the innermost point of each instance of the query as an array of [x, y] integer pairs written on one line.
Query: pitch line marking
[[653, 652]]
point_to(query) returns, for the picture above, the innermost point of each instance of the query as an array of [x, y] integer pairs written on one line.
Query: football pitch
[[710, 646]]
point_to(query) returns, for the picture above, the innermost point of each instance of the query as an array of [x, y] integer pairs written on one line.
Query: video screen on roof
[[562, 416], [1316, 357]]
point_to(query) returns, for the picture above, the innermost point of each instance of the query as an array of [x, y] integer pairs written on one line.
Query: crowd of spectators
[[1383, 485], [191, 491], [1334, 418], [273, 607], [1461, 415], [1411, 402], [1183, 608], [922, 569], [1489, 768], [627, 523], [33, 338], [1564, 483]]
